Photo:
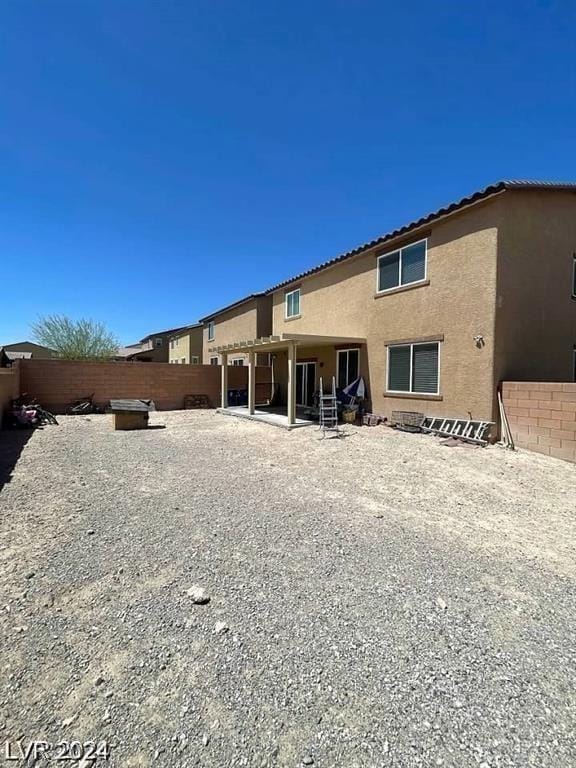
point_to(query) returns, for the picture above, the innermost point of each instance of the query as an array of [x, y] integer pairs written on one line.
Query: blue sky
[[162, 159]]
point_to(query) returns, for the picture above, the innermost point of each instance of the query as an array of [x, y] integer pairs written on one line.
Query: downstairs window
[[414, 368]]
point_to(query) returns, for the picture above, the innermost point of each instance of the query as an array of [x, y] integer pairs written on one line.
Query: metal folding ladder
[[471, 430], [328, 410]]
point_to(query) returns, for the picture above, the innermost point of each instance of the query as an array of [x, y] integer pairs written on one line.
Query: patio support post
[[224, 380], [251, 382], [292, 383]]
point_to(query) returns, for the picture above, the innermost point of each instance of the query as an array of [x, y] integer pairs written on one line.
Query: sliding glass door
[[305, 383]]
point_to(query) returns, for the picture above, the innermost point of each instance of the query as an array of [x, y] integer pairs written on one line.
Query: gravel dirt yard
[[376, 600]]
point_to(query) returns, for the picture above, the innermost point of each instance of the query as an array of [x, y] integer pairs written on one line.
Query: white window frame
[[237, 361], [194, 360], [291, 293], [215, 357], [410, 391], [338, 353], [400, 250], [211, 330]]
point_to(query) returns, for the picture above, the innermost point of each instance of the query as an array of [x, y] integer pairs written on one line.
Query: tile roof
[[185, 329], [233, 306], [160, 333], [475, 197]]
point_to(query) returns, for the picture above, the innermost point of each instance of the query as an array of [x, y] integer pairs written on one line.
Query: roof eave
[[442, 213]]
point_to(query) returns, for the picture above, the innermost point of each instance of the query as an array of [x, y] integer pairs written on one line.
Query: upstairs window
[[414, 368], [158, 342], [293, 303], [402, 267], [211, 330]]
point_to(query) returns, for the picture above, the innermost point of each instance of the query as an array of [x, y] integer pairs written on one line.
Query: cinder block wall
[[542, 416], [57, 383], [9, 388]]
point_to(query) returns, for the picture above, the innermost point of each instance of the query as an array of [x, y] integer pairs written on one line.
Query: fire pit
[[131, 414]]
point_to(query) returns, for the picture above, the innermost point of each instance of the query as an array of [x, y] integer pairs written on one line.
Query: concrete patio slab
[[266, 417]]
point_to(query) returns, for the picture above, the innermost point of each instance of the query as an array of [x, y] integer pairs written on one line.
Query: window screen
[[389, 272], [413, 263], [425, 368], [399, 369]]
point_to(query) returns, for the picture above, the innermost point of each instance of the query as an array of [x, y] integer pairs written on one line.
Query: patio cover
[[284, 341], [289, 341]]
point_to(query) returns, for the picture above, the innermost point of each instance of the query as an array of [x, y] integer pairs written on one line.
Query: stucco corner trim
[[402, 288]]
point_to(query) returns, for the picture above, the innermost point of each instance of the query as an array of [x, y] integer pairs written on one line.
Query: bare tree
[[75, 339]]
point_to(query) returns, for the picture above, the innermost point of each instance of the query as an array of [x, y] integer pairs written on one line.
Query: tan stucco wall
[[536, 316], [179, 349], [186, 346], [249, 321], [458, 303]]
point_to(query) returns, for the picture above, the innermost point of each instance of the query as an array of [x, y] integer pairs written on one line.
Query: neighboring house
[[435, 314], [185, 346], [250, 317], [25, 350], [153, 348]]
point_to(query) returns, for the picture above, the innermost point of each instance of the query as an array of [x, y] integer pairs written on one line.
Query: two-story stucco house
[[153, 348], [248, 318], [436, 313], [185, 346]]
